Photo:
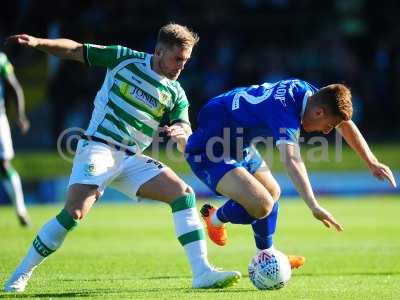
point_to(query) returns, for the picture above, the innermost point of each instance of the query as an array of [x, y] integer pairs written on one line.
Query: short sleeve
[[108, 56], [284, 122], [6, 67], [180, 111], [287, 135]]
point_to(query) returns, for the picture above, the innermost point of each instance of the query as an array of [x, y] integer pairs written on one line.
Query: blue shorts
[[211, 172]]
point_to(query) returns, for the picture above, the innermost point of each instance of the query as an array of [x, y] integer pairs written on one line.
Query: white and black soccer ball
[[269, 270]]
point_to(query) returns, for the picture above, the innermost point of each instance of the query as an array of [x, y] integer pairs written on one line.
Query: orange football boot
[[216, 233], [296, 261]]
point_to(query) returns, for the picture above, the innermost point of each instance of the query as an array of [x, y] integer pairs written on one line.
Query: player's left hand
[[23, 124], [382, 172], [23, 39], [176, 133]]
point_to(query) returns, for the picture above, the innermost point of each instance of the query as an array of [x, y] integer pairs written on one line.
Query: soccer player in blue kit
[[221, 154]]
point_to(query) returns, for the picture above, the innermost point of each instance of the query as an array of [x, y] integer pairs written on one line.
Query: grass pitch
[[124, 251]]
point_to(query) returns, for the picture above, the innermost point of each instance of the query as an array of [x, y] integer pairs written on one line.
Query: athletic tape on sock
[[66, 220], [184, 208], [183, 202]]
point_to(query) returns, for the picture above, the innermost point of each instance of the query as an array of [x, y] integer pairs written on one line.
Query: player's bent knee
[[189, 189], [264, 209], [4, 165], [181, 189], [276, 192], [76, 214]]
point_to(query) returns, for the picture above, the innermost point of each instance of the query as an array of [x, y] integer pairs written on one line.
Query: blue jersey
[[243, 114]]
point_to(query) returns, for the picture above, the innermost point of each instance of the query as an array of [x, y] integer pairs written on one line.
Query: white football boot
[[17, 282], [216, 279]]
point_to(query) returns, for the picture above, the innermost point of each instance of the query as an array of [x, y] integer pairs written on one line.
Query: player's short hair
[[174, 34], [336, 98]]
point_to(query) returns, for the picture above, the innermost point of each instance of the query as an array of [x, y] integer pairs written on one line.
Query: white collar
[[151, 71]]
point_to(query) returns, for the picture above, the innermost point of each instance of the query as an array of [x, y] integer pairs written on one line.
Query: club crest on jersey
[[164, 98], [90, 170]]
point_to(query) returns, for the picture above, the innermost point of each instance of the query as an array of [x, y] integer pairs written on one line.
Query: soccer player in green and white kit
[[9, 176], [138, 90]]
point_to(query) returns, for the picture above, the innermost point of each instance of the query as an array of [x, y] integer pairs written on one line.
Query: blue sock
[[264, 229], [234, 213]]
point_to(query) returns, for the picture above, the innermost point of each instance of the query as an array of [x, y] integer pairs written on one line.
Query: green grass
[[39, 165], [124, 251]]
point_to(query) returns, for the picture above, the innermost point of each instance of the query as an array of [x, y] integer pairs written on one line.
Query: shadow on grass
[[125, 279], [166, 277], [348, 274], [48, 295], [115, 293]]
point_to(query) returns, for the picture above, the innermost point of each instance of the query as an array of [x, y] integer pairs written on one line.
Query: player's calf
[[239, 185], [81, 198], [48, 240], [50, 237]]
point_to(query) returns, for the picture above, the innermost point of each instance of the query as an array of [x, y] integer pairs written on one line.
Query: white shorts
[[6, 146], [99, 164]]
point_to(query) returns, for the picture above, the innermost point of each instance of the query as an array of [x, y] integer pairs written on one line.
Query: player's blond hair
[[174, 34], [336, 98]]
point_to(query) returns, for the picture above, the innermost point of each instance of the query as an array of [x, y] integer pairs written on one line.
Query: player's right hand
[[382, 172], [326, 217], [22, 39], [23, 124]]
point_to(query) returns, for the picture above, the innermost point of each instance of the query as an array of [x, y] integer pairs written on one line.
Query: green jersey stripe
[[166, 83], [118, 123], [135, 148], [119, 51], [138, 114], [130, 120], [150, 80], [123, 51], [115, 136], [135, 135], [139, 94], [123, 93], [128, 77], [133, 98]]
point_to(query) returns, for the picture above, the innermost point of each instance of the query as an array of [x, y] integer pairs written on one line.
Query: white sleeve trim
[[286, 142]]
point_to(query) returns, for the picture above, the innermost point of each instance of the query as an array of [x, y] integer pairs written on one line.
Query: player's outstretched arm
[[22, 121], [356, 141], [297, 171], [62, 48]]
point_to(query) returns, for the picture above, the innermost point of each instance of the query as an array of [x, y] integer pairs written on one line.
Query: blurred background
[[242, 42]]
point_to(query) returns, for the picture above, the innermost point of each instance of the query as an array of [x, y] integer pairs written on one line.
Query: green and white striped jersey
[[6, 69], [133, 99]]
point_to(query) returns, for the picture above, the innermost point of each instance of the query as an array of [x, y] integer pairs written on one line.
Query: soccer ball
[[269, 270]]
